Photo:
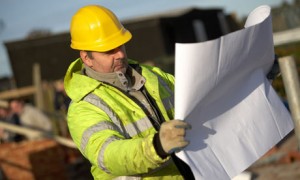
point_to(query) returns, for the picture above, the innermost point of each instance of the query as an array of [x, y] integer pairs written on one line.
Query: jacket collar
[[131, 80], [78, 85]]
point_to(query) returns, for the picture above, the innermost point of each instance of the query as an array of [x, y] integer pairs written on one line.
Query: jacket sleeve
[[100, 141]]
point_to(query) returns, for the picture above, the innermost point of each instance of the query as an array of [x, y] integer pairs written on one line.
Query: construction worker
[[121, 114]]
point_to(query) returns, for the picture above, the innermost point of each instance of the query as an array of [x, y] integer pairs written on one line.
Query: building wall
[[147, 41], [286, 16], [53, 53]]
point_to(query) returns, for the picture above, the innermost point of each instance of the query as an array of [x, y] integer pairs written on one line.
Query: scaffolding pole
[[290, 78]]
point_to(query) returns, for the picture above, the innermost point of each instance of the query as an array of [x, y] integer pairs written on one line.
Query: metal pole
[[292, 88]]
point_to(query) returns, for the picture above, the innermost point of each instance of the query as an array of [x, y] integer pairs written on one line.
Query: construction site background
[[56, 157]]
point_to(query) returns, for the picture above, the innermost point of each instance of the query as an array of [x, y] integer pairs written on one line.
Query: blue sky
[[19, 17]]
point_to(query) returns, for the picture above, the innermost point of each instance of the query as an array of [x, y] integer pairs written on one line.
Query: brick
[[43, 159]]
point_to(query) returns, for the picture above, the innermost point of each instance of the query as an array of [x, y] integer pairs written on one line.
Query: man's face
[[16, 106], [106, 62], [3, 112]]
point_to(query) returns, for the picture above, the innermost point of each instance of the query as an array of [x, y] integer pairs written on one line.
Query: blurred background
[[35, 53]]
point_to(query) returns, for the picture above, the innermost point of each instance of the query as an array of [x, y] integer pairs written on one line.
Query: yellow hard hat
[[96, 28]]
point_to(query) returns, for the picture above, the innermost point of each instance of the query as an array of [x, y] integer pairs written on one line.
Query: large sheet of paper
[[222, 91]]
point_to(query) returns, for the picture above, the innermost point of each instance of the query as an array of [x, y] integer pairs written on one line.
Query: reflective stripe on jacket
[[111, 129]]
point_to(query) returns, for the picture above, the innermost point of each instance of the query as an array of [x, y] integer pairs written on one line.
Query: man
[[31, 117], [121, 114], [11, 118]]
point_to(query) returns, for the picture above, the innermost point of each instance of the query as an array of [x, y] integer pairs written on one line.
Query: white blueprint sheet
[[222, 91]]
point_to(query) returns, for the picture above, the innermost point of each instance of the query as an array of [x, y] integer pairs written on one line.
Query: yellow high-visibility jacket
[[112, 131]]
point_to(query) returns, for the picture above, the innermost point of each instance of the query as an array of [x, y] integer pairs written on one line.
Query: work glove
[[172, 135]]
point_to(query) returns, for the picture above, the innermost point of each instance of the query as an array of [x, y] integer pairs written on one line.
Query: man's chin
[[121, 69]]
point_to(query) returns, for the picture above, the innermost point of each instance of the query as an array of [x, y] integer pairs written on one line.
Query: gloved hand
[[171, 135]]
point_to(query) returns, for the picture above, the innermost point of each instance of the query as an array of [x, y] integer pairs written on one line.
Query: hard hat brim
[[122, 37]]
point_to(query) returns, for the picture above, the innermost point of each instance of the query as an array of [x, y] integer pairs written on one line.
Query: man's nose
[[119, 52]]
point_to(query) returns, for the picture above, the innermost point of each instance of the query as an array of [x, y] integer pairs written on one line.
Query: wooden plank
[[17, 93], [37, 80], [291, 83], [287, 36], [37, 134]]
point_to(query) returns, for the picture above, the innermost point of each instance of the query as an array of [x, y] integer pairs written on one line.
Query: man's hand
[[171, 135]]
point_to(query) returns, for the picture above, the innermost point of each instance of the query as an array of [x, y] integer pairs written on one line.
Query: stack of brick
[[43, 159]]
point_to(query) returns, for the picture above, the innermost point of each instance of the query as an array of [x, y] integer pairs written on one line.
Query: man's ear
[[85, 58]]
